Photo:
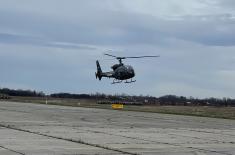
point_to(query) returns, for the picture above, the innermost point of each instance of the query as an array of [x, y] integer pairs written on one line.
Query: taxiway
[[35, 129]]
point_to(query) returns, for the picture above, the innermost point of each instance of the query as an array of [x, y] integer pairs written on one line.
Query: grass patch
[[202, 111]]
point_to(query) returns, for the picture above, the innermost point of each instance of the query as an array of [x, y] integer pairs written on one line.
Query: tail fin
[[98, 74]]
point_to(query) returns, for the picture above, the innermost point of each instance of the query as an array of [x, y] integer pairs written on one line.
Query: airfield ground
[[38, 129], [204, 111]]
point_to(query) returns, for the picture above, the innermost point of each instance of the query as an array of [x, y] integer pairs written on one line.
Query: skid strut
[[131, 81], [116, 81]]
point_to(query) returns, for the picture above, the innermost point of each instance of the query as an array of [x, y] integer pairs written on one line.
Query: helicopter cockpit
[[114, 67]]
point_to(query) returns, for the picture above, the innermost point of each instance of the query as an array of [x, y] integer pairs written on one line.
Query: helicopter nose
[[132, 72]]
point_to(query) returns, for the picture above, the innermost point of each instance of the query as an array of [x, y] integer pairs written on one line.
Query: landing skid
[[116, 81], [131, 81]]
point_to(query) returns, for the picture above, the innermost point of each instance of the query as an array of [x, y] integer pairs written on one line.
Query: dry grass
[[203, 111]]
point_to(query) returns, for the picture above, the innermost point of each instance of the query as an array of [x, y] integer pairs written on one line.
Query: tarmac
[[36, 129]]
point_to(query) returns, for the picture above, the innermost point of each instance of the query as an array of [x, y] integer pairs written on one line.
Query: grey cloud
[[110, 29], [51, 49], [226, 3], [18, 39], [37, 41]]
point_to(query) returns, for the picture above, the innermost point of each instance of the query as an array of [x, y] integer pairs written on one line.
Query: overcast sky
[[52, 45]]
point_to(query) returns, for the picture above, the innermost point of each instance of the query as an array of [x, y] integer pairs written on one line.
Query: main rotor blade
[[147, 56], [110, 55]]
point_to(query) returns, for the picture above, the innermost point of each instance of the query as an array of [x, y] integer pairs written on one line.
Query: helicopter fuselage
[[123, 72], [120, 71]]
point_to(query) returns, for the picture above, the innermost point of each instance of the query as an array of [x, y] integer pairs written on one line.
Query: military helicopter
[[120, 71]]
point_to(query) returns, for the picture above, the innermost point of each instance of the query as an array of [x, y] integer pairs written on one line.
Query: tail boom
[[99, 74]]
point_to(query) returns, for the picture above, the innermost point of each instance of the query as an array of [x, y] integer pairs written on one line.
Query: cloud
[[183, 89], [101, 28], [225, 4], [54, 47], [225, 78]]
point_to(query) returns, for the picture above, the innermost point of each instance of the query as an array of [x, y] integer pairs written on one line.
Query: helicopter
[[120, 72]]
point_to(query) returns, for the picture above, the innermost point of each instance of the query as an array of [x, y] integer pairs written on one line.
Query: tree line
[[19, 92], [163, 100], [181, 100]]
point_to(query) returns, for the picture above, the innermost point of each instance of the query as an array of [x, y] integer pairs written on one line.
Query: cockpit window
[[129, 68]]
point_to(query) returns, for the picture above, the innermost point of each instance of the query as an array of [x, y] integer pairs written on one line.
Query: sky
[[52, 45]]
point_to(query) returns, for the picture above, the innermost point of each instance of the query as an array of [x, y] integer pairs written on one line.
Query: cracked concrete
[[34, 129]]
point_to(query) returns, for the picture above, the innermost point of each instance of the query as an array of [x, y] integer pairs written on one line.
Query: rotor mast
[[120, 59]]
